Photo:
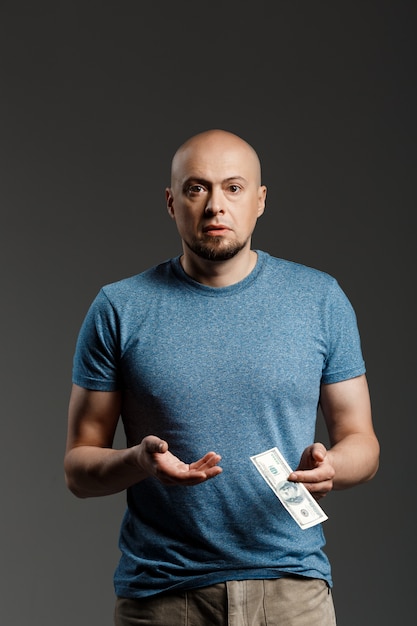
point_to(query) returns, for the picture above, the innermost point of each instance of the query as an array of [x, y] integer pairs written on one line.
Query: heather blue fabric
[[236, 370]]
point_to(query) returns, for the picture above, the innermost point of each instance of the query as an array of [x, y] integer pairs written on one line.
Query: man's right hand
[[155, 459]]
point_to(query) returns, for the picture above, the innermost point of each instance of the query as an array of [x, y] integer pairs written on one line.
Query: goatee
[[215, 249]]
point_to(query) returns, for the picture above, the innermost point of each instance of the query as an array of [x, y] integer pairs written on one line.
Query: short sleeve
[[344, 359], [96, 358]]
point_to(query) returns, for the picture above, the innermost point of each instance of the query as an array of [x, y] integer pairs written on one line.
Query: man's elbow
[[374, 456], [72, 479], [73, 486]]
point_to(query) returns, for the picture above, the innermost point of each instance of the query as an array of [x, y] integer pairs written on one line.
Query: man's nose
[[214, 203]]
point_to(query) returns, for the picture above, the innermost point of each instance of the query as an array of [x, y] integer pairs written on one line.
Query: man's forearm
[[355, 460], [91, 471]]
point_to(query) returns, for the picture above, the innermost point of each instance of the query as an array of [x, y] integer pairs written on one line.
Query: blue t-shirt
[[236, 370]]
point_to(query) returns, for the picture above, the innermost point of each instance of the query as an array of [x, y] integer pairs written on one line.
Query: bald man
[[208, 359]]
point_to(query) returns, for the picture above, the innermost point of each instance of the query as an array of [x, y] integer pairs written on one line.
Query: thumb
[[155, 444], [318, 452]]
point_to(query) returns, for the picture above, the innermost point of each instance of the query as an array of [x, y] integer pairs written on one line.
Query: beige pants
[[289, 601]]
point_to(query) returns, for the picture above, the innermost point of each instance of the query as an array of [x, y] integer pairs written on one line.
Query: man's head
[[290, 492], [215, 195]]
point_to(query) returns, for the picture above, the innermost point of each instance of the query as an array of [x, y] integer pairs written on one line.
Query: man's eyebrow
[[240, 178], [195, 179], [207, 183]]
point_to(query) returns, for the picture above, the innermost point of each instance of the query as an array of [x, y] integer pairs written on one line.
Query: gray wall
[[95, 97]]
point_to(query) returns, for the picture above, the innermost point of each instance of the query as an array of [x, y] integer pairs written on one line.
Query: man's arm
[[353, 457], [93, 468]]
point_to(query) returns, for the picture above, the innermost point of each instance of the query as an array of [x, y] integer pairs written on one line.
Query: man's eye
[[234, 188], [195, 189]]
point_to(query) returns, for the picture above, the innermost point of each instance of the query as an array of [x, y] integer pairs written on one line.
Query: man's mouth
[[215, 229]]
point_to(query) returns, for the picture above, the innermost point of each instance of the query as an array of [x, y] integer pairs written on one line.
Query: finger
[[192, 477], [208, 460], [320, 490], [303, 476], [318, 452], [313, 476], [155, 444], [203, 469]]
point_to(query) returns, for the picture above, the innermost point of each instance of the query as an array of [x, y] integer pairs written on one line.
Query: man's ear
[[261, 200], [170, 202]]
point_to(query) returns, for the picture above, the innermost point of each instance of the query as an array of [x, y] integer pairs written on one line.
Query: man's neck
[[219, 273]]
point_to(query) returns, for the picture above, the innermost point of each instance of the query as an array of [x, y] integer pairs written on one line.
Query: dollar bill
[[295, 497]]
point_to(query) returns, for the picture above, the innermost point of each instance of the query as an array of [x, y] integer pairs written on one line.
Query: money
[[295, 497]]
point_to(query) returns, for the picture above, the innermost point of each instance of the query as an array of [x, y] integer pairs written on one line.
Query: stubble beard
[[215, 248]]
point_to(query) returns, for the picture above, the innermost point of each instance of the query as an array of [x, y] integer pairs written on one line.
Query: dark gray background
[[95, 98]]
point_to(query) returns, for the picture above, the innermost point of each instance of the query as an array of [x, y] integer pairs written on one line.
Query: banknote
[[298, 501]]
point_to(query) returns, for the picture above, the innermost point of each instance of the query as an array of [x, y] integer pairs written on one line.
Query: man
[[217, 355]]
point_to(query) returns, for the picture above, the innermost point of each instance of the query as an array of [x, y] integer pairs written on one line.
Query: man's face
[[216, 197], [289, 491]]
